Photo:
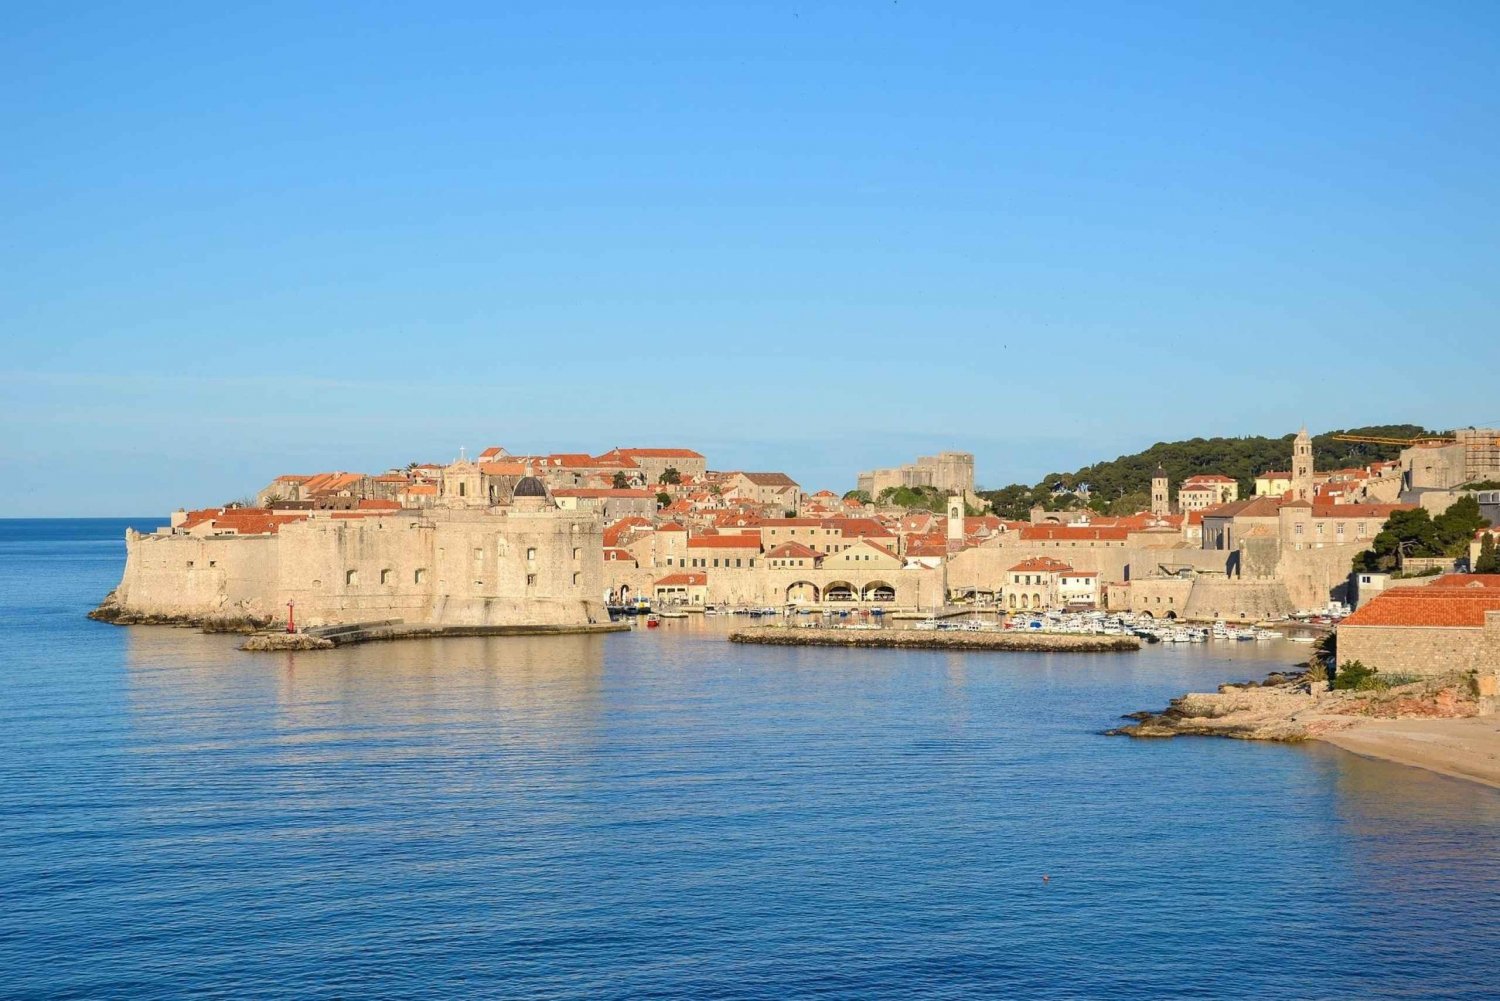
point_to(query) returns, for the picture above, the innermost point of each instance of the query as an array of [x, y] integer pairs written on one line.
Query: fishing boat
[[652, 621]]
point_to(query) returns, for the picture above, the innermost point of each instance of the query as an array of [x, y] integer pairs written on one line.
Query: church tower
[[1302, 467], [955, 518], [1161, 503]]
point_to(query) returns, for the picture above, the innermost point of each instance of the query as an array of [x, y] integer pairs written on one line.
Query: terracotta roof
[[770, 479], [683, 580], [858, 528], [1208, 478], [927, 546], [614, 554], [1044, 564], [660, 453], [502, 468], [671, 526], [1254, 507], [241, 520], [793, 550], [601, 492], [1034, 533], [1436, 605], [1078, 573], [421, 489], [744, 541], [1381, 511], [372, 504]]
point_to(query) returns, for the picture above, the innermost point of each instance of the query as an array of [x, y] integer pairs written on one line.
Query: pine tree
[[1489, 559]]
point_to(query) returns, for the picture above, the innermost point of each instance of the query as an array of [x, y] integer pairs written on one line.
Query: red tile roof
[[1044, 564], [792, 550], [1441, 604], [1085, 533], [1381, 511], [683, 580], [748, 540], [660, 453], [769, 479]]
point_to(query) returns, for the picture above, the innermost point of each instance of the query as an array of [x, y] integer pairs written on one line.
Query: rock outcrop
[[1295, 706]]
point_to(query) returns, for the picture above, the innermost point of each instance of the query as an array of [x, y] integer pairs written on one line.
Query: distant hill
[[1123, 485]]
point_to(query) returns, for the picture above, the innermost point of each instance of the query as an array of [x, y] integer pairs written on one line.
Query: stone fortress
[[950, 472], [467, 560], [544, 540]]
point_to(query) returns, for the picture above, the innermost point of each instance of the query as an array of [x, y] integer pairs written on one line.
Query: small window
[[577, 553], [419, 577], [385, 577], [577, 579], [531, 580], [351, 578], [190, 564], [531, 553]]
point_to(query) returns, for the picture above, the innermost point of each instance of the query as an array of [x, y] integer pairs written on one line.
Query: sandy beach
[[1466, 748]]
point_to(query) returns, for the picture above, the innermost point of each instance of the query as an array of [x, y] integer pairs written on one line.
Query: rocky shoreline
[[110, 611], [1300, 705], [912, 639]]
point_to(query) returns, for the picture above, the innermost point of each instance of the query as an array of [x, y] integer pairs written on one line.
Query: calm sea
[[663, 815]]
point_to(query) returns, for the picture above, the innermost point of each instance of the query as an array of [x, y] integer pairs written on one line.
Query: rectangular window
[[419, 577], [577, 578], [531, 580], [385, 576], [577, 553], [531, 554]]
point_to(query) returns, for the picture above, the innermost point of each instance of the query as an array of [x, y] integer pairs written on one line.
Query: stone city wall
[[1424, 650], [763, 586], [479, 567]]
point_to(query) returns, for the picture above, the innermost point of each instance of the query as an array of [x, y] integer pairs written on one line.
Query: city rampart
[[468, 567], [1429, 650]]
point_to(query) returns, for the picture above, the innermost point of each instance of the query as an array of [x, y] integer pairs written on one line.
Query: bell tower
[[1302, 467], [1161, 502], [955, 518]]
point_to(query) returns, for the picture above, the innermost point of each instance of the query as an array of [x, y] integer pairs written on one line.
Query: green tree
[[1489, 558], [863, 496], [663, 499], [620, 481], [669, 476], [1456, 526]]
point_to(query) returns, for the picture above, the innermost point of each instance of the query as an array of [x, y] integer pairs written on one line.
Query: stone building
[[522, 563], [1450, 625], [1199, 492], [950, 472]]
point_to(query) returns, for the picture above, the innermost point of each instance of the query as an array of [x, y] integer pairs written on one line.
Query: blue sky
[[814, 237]]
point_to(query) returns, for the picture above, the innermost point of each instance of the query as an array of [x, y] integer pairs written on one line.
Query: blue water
[[663, 815]]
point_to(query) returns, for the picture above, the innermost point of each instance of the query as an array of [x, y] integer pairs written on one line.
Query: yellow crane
[[1370, 439], [1423, 439]]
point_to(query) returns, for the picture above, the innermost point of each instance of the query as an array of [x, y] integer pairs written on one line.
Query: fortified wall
[[473, 567], [774, 586]]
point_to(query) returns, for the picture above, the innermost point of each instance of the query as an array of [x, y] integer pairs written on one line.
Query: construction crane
[[1425, 439], [1370, 439]]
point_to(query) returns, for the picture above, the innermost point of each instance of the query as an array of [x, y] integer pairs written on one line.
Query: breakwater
[[914, 639], [328, 637]]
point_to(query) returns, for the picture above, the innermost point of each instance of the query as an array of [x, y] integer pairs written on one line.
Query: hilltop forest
[[1123, 485]]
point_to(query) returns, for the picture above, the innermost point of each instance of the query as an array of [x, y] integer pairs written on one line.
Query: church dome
[[529, 486]]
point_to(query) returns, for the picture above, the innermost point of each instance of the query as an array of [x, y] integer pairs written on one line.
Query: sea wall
[[921, 639], [1424, 651], [465, 567]]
